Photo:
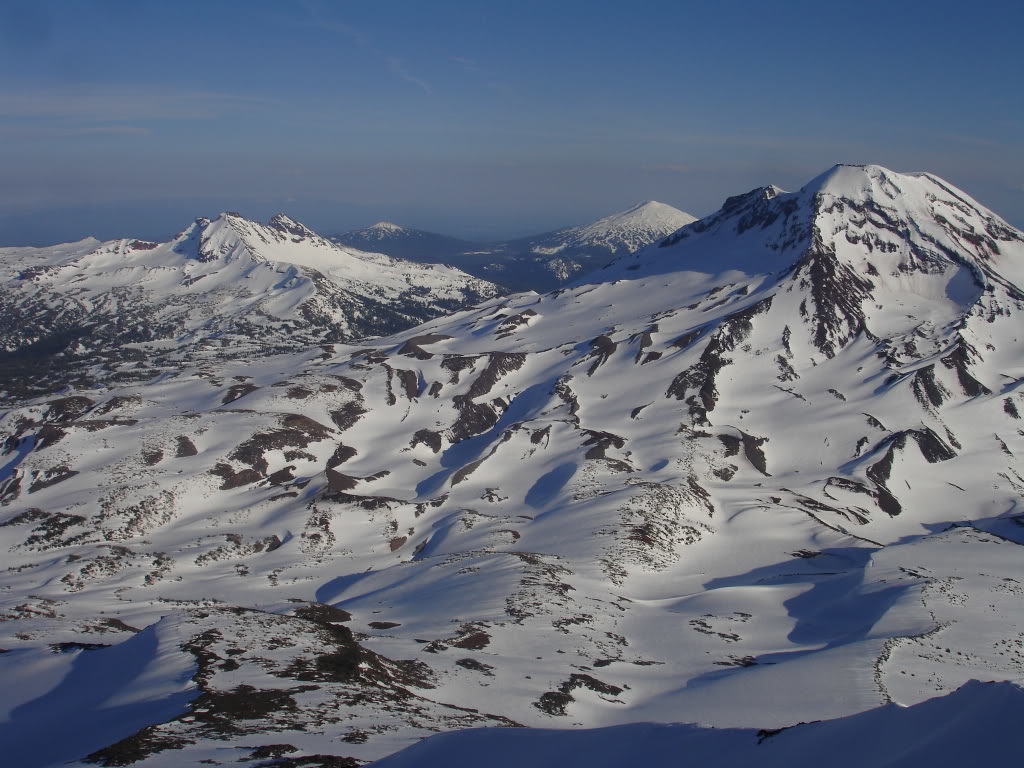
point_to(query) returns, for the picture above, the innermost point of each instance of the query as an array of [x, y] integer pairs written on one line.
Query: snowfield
[[761, 472]]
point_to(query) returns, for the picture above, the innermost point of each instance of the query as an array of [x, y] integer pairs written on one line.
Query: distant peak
[[387, 226], [649, 213], [620, 232]]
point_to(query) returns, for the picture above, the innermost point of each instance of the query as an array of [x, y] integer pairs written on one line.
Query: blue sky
[[485, 119]]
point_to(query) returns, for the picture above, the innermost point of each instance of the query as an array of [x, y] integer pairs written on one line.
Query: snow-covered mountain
[[536, 263], [765, 472], [129, 309]]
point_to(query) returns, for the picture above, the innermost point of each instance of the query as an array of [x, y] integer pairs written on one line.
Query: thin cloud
[[320, 19], [471, 65], [468, 64], [398, 68], [116, 103], [978, 142], [672, 167], [317, 15], [117, 129], [68, 129], [756, 142]]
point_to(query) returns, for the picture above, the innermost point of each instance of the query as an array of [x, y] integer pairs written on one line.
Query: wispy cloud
[[67, 129], [316, 14], [468, 64], [471, 65], [398, 67], [671, 167], [115, 103], [756, 142], [116, 129], [320, 18], [977, 142]]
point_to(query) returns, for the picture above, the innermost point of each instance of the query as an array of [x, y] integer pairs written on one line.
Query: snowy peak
[[913, 233], [943, 220], [231, 236], [225, 238], [387, 227], [856, 182], [621, 232], [874, 220], [859, 252], [382, 231], [650, 214]]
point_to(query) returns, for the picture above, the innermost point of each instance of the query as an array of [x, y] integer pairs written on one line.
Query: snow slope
[[764, 473], [972, 726]]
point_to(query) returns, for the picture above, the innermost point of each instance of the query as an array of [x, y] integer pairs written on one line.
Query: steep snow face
[[229, 282], [734, 484]]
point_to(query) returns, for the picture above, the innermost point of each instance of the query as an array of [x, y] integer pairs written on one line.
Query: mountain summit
[[763, 471]]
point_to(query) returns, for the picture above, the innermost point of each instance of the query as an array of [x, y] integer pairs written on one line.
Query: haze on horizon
[[484, 120]]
